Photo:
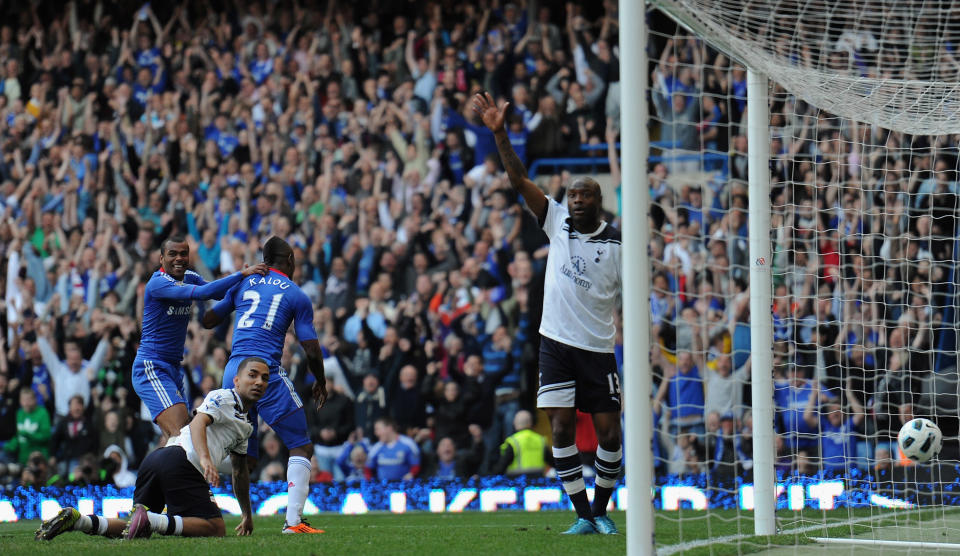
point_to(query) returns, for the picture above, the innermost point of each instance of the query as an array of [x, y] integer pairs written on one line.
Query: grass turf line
[[414, 533], [505, 532]]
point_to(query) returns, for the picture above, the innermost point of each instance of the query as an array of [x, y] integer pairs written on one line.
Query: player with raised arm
[[265, 307], [582, 292], [167, 308], [176, 475]]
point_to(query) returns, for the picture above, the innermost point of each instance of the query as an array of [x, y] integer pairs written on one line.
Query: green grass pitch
[[414, 533], [470, 533]]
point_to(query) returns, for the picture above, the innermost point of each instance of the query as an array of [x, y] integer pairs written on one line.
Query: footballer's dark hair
[[177, 238], [246, 363], [276, 250], [387, 422]]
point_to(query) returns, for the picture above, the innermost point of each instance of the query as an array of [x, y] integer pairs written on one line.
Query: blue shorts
[[157, 383], [280, 407]]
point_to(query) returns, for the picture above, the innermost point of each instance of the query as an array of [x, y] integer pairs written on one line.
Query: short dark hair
[[589, 182], [276, 250], [246, 363], [177, 238], [387, 421]]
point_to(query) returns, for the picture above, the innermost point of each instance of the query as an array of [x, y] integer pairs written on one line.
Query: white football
[[920, 440]]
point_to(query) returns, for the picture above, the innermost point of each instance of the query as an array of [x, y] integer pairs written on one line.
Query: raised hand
[[486, 108]]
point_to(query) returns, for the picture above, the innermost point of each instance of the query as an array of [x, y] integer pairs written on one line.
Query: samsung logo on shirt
[[179, 311]]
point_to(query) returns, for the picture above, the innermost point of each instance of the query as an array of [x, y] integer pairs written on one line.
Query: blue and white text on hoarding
[[487, 495]]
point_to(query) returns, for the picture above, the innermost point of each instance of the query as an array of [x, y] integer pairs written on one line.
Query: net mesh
[[892, 63], [864, 247]]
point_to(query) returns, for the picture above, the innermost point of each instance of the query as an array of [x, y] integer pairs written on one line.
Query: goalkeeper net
[[864, 241], [889, 62]]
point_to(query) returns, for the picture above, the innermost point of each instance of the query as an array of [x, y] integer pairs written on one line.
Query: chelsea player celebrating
[[167, 307], [266, 306]]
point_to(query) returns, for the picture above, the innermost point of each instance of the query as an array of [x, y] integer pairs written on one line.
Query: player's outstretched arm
[[218, 288], [220, 311], [493, 118], [241, 489], [315, 363], [178, 291]]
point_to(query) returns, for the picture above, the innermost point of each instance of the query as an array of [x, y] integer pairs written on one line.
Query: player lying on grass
[[176, 476]]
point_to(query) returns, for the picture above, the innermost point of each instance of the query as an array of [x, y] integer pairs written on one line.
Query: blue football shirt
[[167, 308], [390, 462], [265, 307]]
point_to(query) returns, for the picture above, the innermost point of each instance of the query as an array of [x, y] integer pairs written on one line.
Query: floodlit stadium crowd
[[346, 128]]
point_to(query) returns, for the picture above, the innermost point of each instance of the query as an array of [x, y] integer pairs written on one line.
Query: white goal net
[[865, 179]]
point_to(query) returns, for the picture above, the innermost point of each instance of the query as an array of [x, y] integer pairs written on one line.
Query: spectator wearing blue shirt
[[262, 66], [395, 457], [662, 305], [682, 390], [147, 85], [219, 133], [352, 461], [148, 54], [791, 397], [838, 442]]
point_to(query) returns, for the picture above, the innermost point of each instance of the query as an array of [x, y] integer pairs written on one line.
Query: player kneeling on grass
[[176, 476]]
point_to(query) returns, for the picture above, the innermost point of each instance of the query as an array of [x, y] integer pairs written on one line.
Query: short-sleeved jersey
[[583, 285], [390, 462], [265, 306], [228, 433], [167, 308], [837, 444]]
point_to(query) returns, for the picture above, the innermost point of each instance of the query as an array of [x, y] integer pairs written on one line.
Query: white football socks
[[298, 486], [91, 524], [160, 523]]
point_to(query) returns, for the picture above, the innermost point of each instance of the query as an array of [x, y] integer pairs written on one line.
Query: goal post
[[637, 378], [761, 321]]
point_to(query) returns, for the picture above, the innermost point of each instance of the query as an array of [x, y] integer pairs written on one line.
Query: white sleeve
[[557, 215], [50, 359], [217, 405]]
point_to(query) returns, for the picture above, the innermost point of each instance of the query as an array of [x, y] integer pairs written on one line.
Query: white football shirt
[[227, 433], [582, 288]]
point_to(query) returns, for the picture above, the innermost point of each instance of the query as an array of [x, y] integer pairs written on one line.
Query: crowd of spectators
[[863, 239], [346, 128]]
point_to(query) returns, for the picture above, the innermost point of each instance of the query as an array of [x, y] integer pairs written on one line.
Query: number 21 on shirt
[[247, 320]]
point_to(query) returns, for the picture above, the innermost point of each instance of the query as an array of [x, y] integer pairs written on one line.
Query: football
[[920, 440]]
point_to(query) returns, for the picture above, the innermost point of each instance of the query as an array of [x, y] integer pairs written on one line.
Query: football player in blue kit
[[265, 307], [167, 308]]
